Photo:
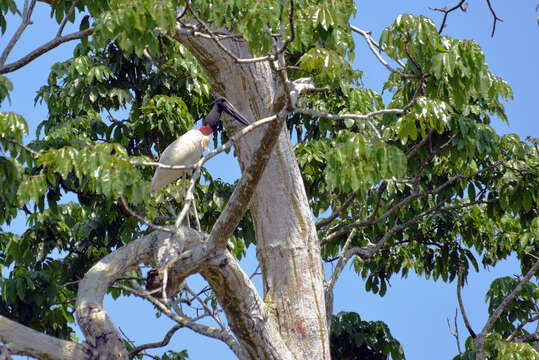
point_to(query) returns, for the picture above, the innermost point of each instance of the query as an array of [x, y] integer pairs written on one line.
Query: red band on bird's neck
[[205, 130]]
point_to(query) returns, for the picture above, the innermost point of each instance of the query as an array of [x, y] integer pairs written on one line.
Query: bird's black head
[[220, 105]]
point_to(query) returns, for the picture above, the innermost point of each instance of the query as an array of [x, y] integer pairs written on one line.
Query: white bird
[[188, 148]]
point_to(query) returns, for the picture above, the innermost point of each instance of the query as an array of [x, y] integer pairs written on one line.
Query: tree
[[414, 183]]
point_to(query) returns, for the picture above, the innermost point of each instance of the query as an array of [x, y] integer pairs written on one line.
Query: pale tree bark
[[21, 340], [289, 322], [287, 242]]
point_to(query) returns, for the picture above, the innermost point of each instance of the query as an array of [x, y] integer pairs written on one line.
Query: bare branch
[[456, 332], [366, 35], [158, 344], [184, 321], [446, 12], [26, 15], [93, 320], [461, 304], [343, 259], [43, 49], [66, 18], [480, 340], [496, 18], [368, 116]]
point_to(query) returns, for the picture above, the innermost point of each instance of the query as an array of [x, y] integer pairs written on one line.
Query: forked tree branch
[[184, 321], [26, 15], [446, 12], [164, 342], [370, 42]]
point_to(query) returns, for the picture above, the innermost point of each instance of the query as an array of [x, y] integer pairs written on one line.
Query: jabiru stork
[[188, 148]]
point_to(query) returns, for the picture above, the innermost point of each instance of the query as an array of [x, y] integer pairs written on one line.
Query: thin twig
[[66, 18], [164, 342], [446, 12], [456, 332], [140, 218], [496, 18], [323, 222]]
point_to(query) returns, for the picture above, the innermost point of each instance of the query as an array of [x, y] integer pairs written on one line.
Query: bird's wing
[[186, 150]]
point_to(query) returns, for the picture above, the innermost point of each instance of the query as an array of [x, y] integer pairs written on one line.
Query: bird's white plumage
[[186, 150]]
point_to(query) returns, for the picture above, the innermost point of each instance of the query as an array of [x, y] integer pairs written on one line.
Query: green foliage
[[497, 348], [519, 310], [352, 338], [135, 25], [438, 185], [5, 87], [330, 68], [5, 7]]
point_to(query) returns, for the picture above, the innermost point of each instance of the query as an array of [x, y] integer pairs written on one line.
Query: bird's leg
[[184, 193], [197, 220]]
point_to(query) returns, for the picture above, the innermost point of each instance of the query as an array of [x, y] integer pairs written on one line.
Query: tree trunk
[[287, 243]]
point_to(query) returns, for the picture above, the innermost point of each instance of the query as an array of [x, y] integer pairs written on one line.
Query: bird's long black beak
[[231, 110]]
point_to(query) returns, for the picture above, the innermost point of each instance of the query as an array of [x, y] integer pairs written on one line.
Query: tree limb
[[461, 304], [30, 150], [22, 340], [45, 48], [370, 42], [94, 321], [239, 200]]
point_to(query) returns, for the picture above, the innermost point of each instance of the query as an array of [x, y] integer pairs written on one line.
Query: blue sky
[[415, 309]]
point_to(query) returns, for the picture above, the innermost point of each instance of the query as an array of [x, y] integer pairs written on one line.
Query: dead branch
[[461, 304], [446, 12]]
